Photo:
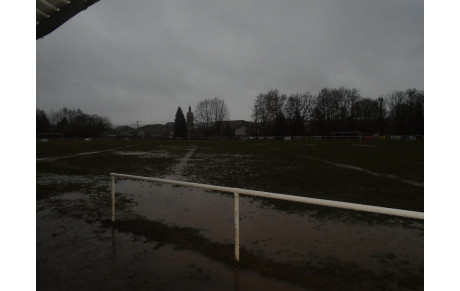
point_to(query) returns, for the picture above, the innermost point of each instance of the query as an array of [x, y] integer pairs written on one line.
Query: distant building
[[190, 121], [154, 130], [123, 131], [237, 128], [170, 126]]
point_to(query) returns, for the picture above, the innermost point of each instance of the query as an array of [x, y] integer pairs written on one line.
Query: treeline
[[72, 123], [338, 111]]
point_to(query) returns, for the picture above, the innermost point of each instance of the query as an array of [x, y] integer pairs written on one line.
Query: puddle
[[73, 255], [276, 234], [153, 154]]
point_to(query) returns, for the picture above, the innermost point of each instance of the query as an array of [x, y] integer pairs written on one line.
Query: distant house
[[170, 126], [237, 128], [124, 131], [245, 129], [154, 130]]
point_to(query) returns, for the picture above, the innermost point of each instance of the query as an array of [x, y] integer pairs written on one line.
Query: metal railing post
[[237, 227], [113, 198]]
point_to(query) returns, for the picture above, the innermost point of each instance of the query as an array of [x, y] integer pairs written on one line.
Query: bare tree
[[266, 108], [367, 113], [203, 116], [76, 123], [260, 114], [326, 110], [209, 115], [219, 112], [298, 109], [406, 111]]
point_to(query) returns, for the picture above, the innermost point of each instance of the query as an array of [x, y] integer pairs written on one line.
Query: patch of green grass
[[278, 166], [59, 148]]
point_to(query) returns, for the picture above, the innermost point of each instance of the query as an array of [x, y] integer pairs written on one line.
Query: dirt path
[[179, 167]]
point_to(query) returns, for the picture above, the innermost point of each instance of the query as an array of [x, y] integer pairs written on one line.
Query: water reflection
[[114, 244], [276, 234], [236, 279]]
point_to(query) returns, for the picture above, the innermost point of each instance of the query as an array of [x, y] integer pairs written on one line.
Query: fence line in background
[[238, 191], [309, 137]]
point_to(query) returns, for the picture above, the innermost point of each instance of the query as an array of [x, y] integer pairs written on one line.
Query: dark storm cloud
[[140, 60]]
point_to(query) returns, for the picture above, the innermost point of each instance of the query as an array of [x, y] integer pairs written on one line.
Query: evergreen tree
[[180, 125]]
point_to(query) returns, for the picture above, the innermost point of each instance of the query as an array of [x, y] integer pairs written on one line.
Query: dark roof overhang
[[50, 14]]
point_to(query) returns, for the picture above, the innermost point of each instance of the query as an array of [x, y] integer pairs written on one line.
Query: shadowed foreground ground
[[160, 242]]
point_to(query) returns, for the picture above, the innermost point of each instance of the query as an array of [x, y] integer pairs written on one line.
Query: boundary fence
[[237, 191], [310, 137]]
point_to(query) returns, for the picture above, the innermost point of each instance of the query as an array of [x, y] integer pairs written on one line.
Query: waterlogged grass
[[59, 148], [66, 158], [306, 168], [78, 186]]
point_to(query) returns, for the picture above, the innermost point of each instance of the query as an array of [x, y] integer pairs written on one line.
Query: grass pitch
[[381, 173]]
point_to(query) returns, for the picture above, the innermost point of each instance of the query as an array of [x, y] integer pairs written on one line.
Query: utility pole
[[137, 121], [381, 115], [256, 123]]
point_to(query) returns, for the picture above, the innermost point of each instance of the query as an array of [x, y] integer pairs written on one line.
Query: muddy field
[[177, 238]]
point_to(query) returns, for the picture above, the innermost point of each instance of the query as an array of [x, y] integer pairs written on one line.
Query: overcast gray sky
[[140, 60]]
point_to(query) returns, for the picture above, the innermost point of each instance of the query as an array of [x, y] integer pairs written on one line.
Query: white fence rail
[[238, 191]]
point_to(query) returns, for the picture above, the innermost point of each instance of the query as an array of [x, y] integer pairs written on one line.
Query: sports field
[[283, 244]]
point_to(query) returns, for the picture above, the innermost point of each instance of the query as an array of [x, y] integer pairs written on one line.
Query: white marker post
[[113, 198], [237, 227]]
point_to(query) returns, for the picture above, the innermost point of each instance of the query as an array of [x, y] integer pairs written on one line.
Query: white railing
[[238, 191]]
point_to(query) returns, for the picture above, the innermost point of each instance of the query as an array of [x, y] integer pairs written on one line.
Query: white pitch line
[[179, 167], [345, 166], [350, 167], [76, 155]]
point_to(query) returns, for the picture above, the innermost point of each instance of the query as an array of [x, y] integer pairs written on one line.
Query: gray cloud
[[140, 60]]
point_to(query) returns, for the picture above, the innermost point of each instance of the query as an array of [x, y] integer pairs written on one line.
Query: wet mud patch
[[74, 255], [75, 242], [90, 208], [148, 155], [49, 185], [287, 237], [330, 274], [231, 170], [107, 162]]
